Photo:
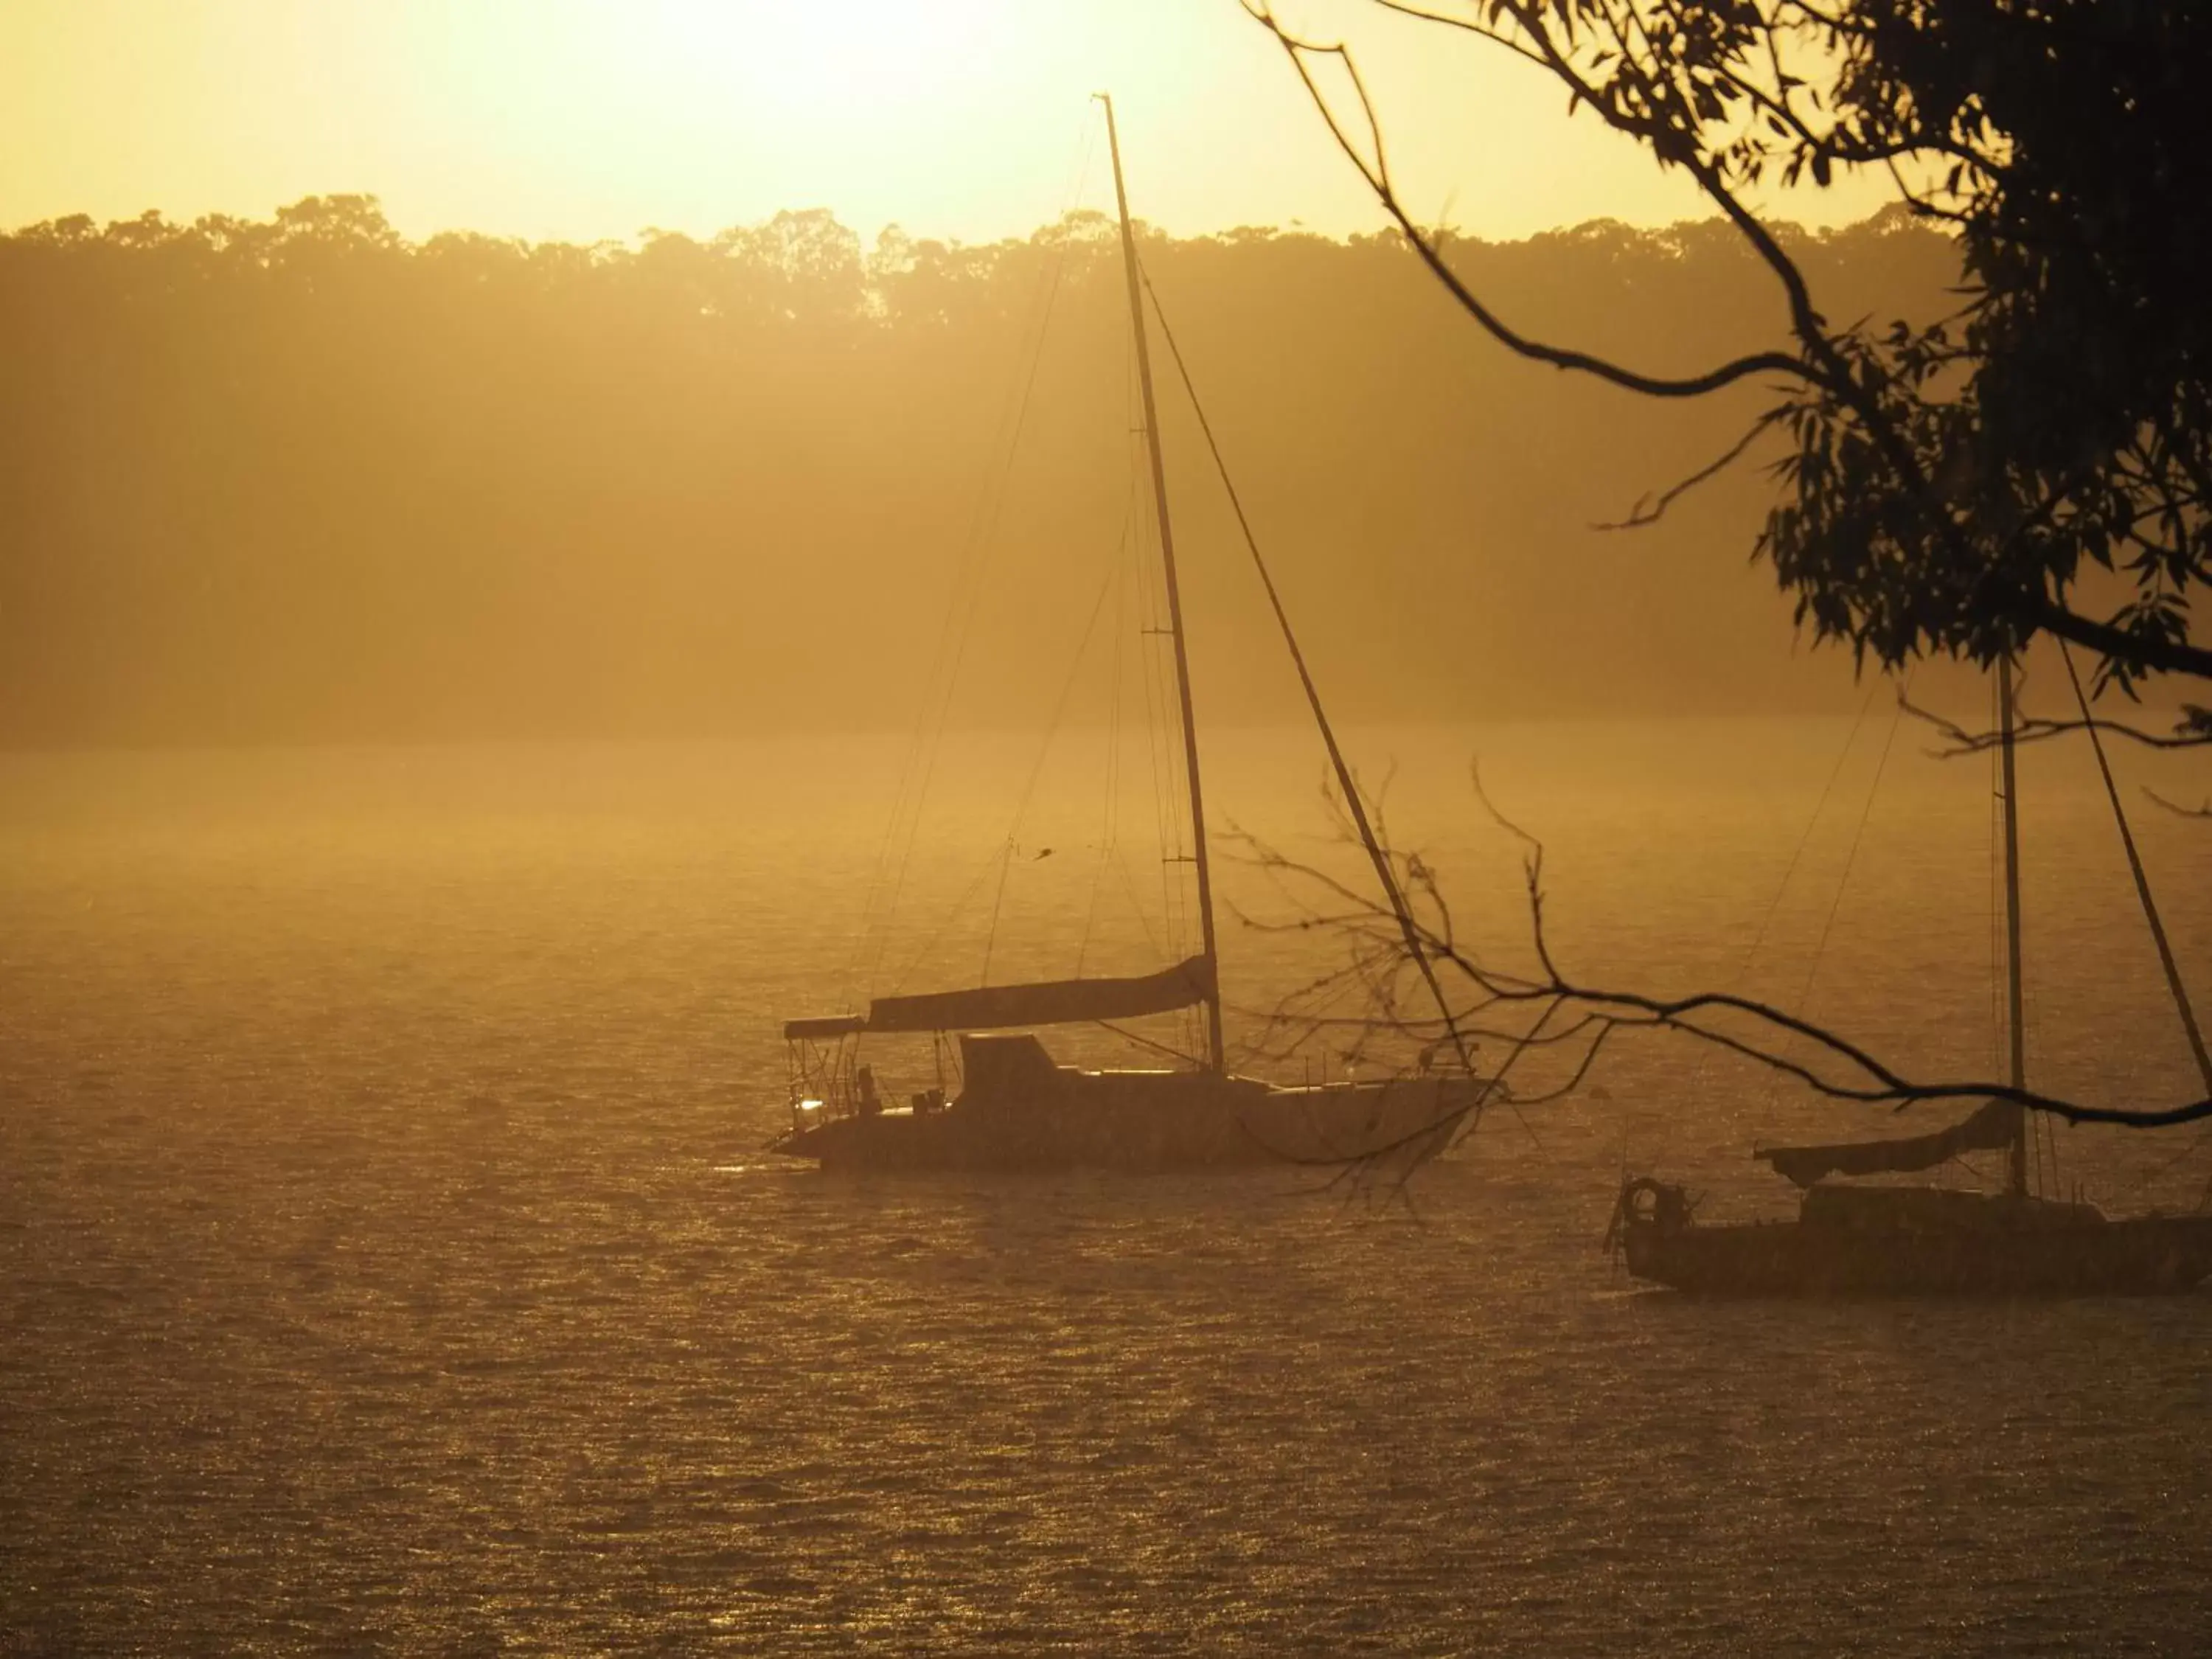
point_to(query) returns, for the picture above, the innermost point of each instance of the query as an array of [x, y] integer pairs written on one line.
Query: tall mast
[[1215, 1058], [2013, 999]]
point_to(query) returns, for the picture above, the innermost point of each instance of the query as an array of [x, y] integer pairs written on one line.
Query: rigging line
[[2040, 1137], [1148, 662], [1167, 824], [907, 812], [1851, 858], [1407, 926], [1146, 1042], [1172, 773], [1148, 684], [2035, 1151], [2143, 882], [1178, 835], [983, 874], [1021, 808], [998, 903], [1112, 758], [1156, 758], [1036, 766], [1805, 840], [1164, 952], [1702, 1060], [1995, 825], [1110, 810], [2049, 1131], [1170, 784], [983, 530], [959, 608], [989, 530], [2166, 1166], [1704, 1056], [1060, 707]]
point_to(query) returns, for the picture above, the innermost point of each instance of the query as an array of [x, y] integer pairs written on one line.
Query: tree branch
[[1377, 177], [1548, 1010], [2177, 808], [2192, 730], [1650, 510]]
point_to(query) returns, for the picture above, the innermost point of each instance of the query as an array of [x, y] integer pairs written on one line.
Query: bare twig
[[1550, 1012], [2191, 732], [2176, 807], [1649, 509]]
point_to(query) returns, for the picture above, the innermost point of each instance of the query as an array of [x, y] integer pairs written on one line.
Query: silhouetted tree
[[2039, 461], [1954, 485]]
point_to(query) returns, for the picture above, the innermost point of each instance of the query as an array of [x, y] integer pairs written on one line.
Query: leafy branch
[[1950, 482]]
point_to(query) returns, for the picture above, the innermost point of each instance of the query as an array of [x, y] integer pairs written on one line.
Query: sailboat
[[1911, 1240], [1014, 1107]]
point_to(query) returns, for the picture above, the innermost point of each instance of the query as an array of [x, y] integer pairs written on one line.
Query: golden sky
[[584, 119]]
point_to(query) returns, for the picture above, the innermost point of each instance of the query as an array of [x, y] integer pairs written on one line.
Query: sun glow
[[584, 119], [873, 63], [833, 88], [710, 112]]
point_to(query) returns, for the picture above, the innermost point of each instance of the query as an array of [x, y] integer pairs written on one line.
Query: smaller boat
[[1910, 1240], [1921, 1241]]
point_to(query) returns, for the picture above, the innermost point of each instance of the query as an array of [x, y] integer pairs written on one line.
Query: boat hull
[[1148, 1121], [1986, 1246]]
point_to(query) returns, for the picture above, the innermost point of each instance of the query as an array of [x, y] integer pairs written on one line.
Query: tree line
[[304, 479]]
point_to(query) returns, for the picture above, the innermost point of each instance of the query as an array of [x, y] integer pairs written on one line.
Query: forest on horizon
[[303, 480]]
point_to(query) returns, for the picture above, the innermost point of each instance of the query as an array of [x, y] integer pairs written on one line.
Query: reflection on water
[[389, 1261]]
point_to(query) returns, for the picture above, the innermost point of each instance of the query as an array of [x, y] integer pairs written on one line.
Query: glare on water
[[391, 1258]]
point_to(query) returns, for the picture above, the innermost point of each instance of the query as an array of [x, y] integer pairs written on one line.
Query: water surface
[[391, 1262]]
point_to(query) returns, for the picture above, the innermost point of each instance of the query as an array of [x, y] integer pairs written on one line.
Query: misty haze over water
[[384, 1194]]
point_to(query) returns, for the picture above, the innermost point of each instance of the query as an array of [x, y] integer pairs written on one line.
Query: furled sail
[[1050, 1002], [824, 1029], [1993, 1128]]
